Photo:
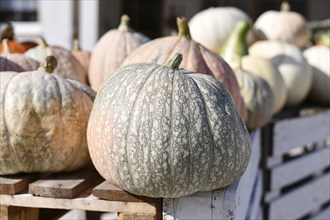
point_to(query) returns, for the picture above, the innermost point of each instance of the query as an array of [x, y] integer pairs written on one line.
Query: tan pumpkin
[[68, 65], [43, 119], [83, 56], [319, 58], [111, 49], [9, 34], [197, 59], [211, 27], [292, 65], [26, 63], [283, 25]]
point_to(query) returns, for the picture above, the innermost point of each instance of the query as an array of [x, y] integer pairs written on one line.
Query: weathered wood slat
[[297, 169], [13, 184], [296, 132], [13, 213], [323, 214], [108, 191], [256, 198], [302, 200], [67, 185], [90, 203]]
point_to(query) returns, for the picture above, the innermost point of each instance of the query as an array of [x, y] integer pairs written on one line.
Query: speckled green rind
[[160, 132], [258, 98], [43, 122]]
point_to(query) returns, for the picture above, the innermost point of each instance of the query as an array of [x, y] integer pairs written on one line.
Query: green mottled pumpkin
[[43, 121], [161, 131]]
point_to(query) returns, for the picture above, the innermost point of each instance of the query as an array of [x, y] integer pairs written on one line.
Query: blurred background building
[[58, 20]]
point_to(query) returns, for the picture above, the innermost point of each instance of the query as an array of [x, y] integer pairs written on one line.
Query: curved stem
[[183, 27], [8, 32], [43, 43], [124, 23], [75, 42], [49, 64], [285, 6], [175, 62], [5, 46]]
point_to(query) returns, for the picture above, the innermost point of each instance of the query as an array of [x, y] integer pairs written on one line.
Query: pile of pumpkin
[[162, 118]]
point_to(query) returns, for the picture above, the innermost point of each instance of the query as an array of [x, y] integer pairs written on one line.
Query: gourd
[[25, 63], [161, 131], [257, 94], [292, 65], [43, 121], [319, 58], [212, 26], [284, 25], [9, 34], [8, 65], [197, 59], [83, 56], [111, 49], [68, 66]]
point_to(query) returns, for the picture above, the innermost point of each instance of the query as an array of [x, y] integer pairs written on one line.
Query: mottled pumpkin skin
[[43, 122], [68, 65], [197, 58], [26, 63], [110, 51], [258, 98], [83, 57], [160, 132], [8, 65]]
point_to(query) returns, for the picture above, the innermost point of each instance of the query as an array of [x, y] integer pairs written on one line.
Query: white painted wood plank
[[302, 200], [324, 214], [256, 198], [299, 168], [90, 202], [292, 133]]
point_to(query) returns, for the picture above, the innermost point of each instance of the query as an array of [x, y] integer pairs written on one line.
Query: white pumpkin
[[291, 64], [212, 26], [319, 58], [284, 25]]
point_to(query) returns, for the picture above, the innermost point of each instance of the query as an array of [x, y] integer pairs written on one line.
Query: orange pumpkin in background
[[9, 34]]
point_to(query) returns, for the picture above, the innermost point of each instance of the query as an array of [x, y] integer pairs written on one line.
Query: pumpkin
[[257, 94], [43, 121], [198, 59], [83, 56], [68, 66], [111, 49], [161, 131], [212, 26], [292, 65], [235, 52], [8, 65], [8, 33], [26, 63], [284, 25], [319, 58]]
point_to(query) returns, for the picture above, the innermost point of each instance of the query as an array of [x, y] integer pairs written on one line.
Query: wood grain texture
[[13, 184], [18, 213]]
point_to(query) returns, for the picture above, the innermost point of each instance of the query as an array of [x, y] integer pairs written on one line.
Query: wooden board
[[68, 185], [291, 133], [302, 200], [323, 214], [297, 169], [256, 198], [12, 184]]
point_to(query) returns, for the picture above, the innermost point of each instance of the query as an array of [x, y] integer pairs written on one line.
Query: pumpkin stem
[[175, 62], [8, 32], [285, 6], [43, 43], [183, 27], [5, 46], [124, 23], [75, 42], [49, 64]]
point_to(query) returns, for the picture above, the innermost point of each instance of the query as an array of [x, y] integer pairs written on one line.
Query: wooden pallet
[[33, 196], [296, 166]]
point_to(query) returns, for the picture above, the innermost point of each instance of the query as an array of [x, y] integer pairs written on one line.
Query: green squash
[[160, 131]]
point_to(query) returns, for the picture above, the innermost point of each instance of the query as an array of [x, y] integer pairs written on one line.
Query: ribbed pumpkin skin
[[258, 98], [197, 58], [160, 132], [291, 64], [26, 63], [68, 66], [8, 65], [43, 122], [319, 58], [110, 51]]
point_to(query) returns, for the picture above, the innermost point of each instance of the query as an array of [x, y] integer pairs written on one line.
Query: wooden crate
[[296, 165], [49, 196]]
